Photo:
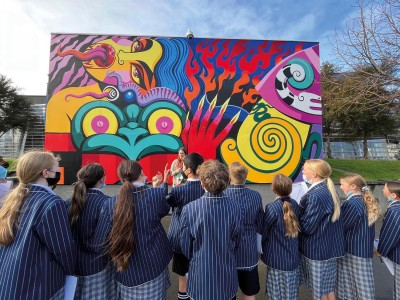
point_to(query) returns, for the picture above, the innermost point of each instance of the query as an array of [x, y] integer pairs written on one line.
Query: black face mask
[[53, 181], [6, 165]]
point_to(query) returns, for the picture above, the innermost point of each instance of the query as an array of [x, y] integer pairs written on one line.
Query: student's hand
[[376, 252], [167, 172], [157, 179]]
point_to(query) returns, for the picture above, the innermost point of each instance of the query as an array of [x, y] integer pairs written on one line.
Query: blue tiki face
[[132, 132]]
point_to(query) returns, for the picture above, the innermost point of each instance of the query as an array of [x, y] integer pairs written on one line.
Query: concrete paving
[[383, 279]]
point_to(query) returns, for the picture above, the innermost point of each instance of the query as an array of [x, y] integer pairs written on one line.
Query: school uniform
[[355, 272], [280, 252], [35, 264], [93, 267], [210, 236], [177, 199], [247, 255], [321, 241], [389, 241], [147, 274]]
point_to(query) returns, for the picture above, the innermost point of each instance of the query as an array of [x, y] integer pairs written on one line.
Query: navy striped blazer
[[211, 228], [280, 252], [152, 252], [320, 238], [90, 233], [359, 237], [177, 198], [252, 211], [389, 237], [35, 264]]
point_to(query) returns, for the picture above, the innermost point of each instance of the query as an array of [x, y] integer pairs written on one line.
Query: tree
[[331, 87], [15, 110], [363, 120], [372, 38]]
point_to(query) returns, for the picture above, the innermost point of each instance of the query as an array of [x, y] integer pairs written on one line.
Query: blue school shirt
[[359, 237], [320, 238], [177, 198], [389, 237], [211, 228], [35, 264], [152, 252], [90, 233], [280, 252], [252, 211]]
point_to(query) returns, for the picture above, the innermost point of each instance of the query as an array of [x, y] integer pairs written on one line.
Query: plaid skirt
[[101, 285], [318, 275], [155, 289], [282, 284], [355, 278], [396, 290]]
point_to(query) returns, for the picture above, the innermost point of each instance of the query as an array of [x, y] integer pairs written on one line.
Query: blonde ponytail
[[336, 200], [372, 206], [9, 213]]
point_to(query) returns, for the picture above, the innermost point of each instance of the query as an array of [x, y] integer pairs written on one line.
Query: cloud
[[25, 26]]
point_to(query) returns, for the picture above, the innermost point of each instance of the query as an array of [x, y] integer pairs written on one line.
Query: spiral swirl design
[[273, 146]]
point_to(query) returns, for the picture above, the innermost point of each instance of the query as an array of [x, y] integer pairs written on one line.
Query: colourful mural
[[142, 98]]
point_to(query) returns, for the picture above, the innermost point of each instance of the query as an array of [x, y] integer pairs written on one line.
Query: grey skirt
[[319, 275], [155, 289], [396, 290], [98, 286], [355, 278], [282, 284]]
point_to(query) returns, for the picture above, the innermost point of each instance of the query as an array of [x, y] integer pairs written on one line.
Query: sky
[[26, 25]]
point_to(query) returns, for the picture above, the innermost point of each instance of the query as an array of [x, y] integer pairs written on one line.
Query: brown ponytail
[[122, 240], [88, 177], [282, 186]]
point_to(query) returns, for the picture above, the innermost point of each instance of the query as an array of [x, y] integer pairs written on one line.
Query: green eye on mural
[[164, 118]]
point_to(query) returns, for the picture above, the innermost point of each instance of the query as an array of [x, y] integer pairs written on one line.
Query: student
[[359, 213], [5, 185], [88, 209], [280, 242], [36, 245], [177, 198], [247, 255], [389, 237], [210, 235], [321, 230], [139, 246]]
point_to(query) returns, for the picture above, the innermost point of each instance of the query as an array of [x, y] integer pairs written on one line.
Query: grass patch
[[371, 170]]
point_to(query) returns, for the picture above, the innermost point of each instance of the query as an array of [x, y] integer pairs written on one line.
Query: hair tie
[[365, 189], [285, 199]]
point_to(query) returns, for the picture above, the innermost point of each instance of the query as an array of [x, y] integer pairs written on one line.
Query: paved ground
[[383, 279]]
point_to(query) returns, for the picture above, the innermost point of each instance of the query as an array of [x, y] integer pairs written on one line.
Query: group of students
[[118, 248]]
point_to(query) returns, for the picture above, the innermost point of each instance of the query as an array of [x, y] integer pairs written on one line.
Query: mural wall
[[142, 98]]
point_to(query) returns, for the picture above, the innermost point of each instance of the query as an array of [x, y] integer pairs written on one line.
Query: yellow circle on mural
[[164, 121], [100, 120]]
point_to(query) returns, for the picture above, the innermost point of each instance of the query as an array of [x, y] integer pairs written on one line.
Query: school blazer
[[177, 198], [389, 237], [90, 234], [320, 238], [35, 264], [280, 252], [359, 237], [211, 228], [152, 252], [252, 210]]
